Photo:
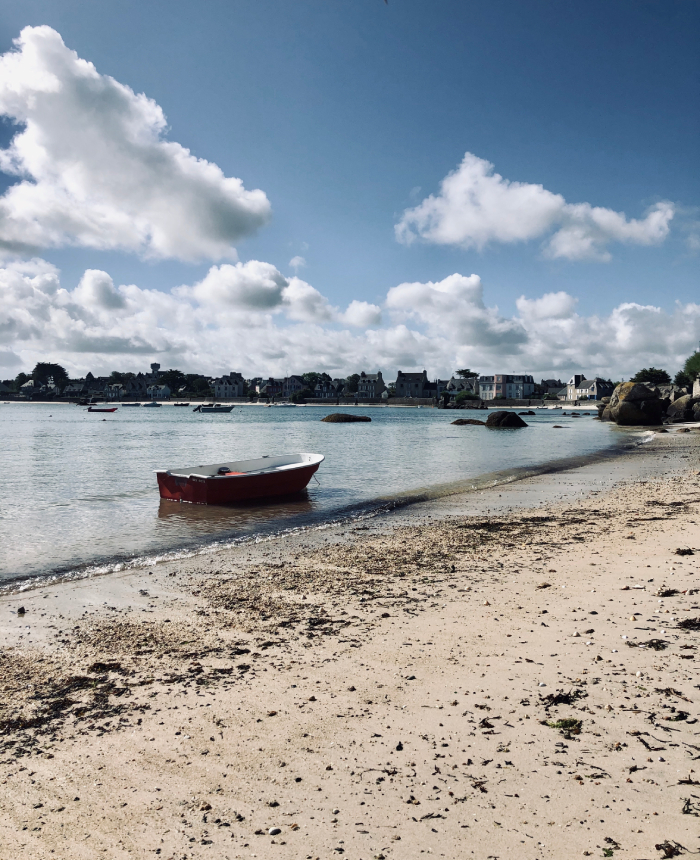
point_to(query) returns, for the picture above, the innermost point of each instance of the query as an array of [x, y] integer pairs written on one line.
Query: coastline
[[341, 651], [340, 518]]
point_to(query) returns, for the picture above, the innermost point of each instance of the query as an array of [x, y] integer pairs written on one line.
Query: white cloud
[[304, 303], [248, 286], [96, 290], [362, 314], [95, 169], [249, 317], [297, 263], [476, 206], [549, 306], [454, 307]]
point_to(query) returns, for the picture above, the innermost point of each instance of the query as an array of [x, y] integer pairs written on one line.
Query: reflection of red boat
[[223, 483], [97, 409]]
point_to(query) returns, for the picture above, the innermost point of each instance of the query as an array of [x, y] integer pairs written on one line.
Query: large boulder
[[603, 407], [505, 421], [683, 409], [461, 421], [668, 392], [633, 403]]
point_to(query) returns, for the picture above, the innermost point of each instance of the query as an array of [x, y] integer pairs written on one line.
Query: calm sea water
[[79, 493]]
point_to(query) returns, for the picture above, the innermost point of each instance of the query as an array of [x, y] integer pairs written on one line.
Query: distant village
[[50, 381]]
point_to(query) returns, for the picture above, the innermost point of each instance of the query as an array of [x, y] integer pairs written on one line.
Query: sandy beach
[[507, 673]]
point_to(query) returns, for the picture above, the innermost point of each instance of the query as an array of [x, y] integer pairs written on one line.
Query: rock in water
[[505, 420], [343, 418], [633, 404], [461, 421]]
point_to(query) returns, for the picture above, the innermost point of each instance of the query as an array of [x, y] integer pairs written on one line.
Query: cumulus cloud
[[455, 307], [476, 206], [249, 317], [94, 168], [549, 306], [362, 314], [248, 286]]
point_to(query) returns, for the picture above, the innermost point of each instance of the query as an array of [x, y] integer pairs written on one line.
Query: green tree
[[174, 379], [117, 377], [197, 384], [466, 373], [20, 379], [312, 379], [652, 374], [462, 396], [686, 377], [352, 383], [300, 396], [44, 370]]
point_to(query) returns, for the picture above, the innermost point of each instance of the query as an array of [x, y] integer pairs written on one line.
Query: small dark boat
[[225, 483], [102, 409], [182, 404]]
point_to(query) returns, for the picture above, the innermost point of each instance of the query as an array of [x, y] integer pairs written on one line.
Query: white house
[[506, 385], [572, 385], [592, 389], [158, 392]]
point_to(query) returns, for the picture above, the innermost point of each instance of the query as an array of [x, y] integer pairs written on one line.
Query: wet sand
[[409, 685]]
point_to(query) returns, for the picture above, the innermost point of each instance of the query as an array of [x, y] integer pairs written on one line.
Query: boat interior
[[270, 463]]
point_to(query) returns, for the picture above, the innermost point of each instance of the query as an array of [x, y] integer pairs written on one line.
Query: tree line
[[198, 384]]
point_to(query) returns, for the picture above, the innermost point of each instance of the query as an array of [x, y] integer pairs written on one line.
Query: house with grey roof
[[591, 389], [231, 385], [411, 384], [370, 385]]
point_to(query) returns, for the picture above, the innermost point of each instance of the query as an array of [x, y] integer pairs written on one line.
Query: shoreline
[[340, 518], [377, 687]]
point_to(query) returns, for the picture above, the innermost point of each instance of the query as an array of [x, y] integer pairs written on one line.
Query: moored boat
[[239, 481], [130, 404], [212, 407], [102, 409], [152, 403]]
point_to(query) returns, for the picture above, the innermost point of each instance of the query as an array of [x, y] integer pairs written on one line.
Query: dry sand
[[415, 684]]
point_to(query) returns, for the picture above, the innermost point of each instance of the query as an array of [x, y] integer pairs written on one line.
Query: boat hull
[[111, 409], [200, 489]]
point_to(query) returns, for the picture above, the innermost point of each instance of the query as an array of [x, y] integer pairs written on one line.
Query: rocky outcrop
[[505, 421], [343, 418], [603, 408], [667, 392], [633, 404], [462, 421], [686, 408]]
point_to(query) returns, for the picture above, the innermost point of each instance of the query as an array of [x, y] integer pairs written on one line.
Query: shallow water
[[80, 493]]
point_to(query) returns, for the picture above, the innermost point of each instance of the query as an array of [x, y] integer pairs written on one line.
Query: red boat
[[224, 483], [97, 409]]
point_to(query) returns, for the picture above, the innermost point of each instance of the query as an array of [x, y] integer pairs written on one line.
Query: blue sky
[[346, 114]]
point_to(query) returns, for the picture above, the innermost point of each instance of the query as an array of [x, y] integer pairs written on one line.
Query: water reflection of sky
[[78, 488]]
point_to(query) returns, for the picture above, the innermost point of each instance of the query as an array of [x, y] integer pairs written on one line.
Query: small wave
[[340, 517]]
